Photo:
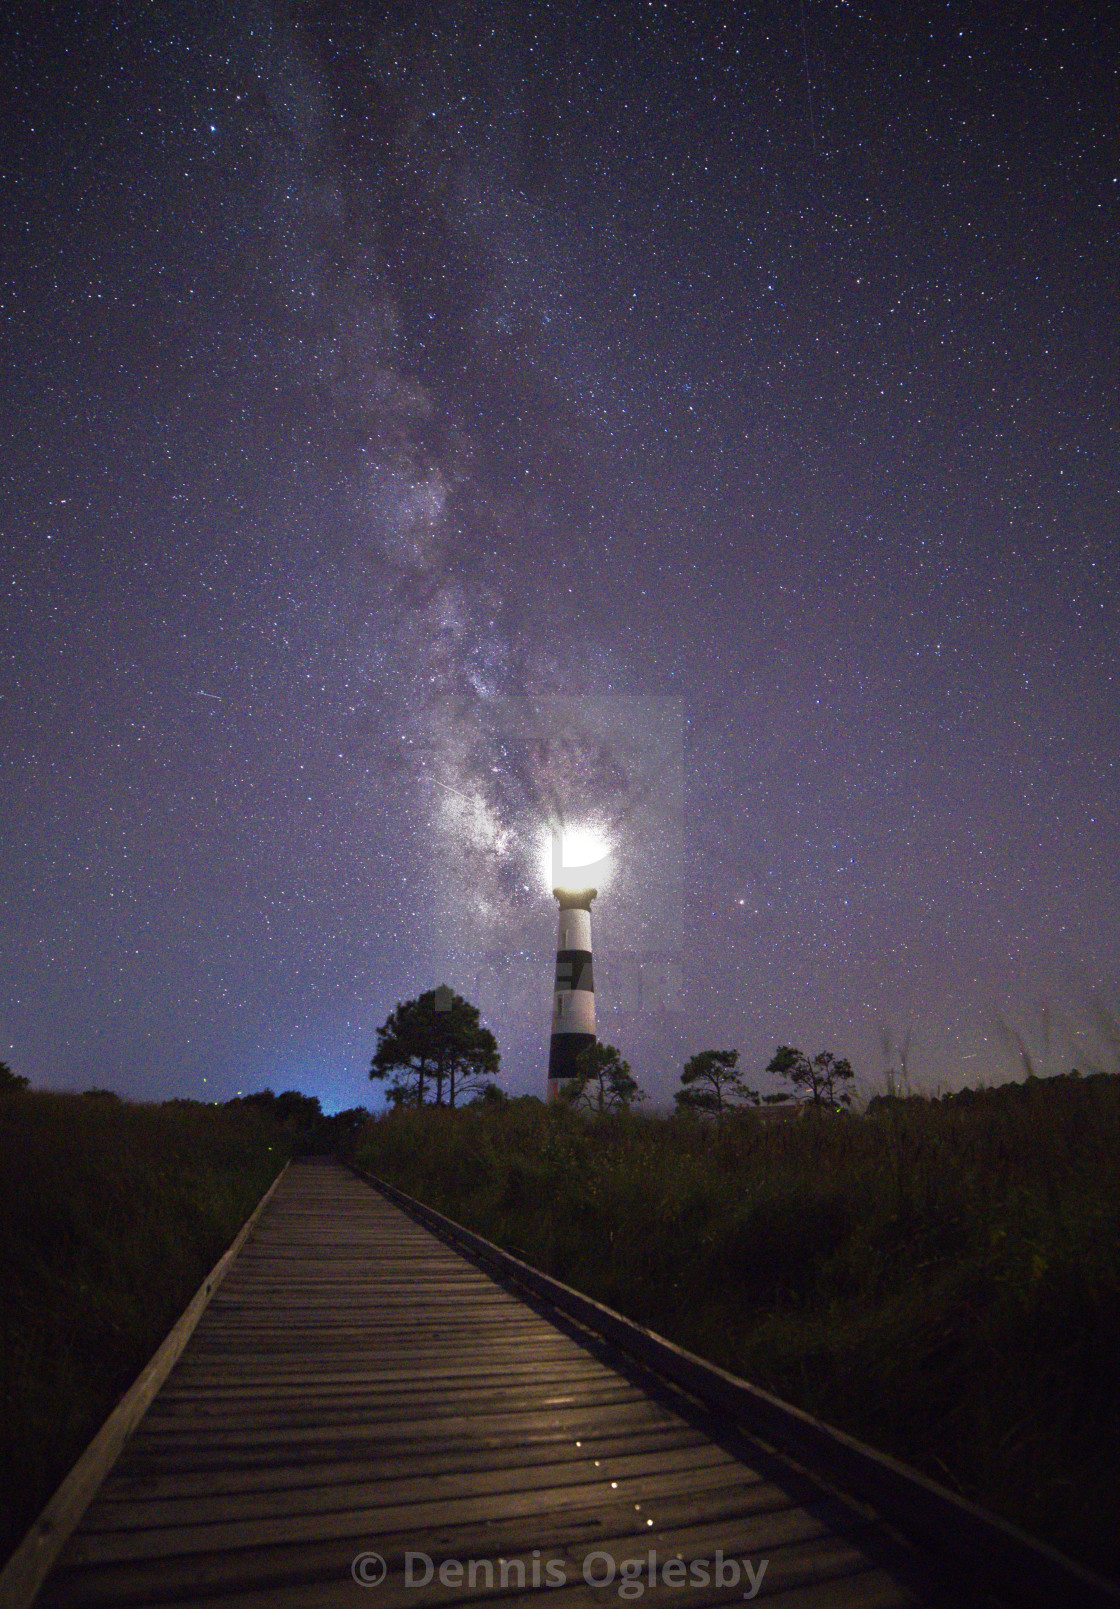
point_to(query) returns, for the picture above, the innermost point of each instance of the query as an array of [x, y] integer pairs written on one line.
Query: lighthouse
[[573, 997]]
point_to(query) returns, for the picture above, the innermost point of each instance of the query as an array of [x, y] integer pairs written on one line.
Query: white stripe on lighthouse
[[575, 930], [573, 1011]]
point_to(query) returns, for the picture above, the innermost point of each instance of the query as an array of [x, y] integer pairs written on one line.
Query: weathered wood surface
[[357, 1387]]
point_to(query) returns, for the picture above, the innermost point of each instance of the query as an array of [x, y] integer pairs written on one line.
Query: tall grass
[[110, 1216], [941, 1280]]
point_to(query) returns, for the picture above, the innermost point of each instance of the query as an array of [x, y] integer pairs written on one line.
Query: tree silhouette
[[491, 1095], [434, 1043], [11, 1083], [818, 1077], [294, 1111], [603, 1082], [711, 1083]]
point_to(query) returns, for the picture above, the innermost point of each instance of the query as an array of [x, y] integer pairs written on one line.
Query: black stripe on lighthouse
[[573, 970], [563, 1051]]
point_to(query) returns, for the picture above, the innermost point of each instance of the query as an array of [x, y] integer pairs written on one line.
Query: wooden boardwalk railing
[[365, 1416]]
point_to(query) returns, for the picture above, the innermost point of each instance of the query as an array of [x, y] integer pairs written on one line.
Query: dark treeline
[[301, 1117]]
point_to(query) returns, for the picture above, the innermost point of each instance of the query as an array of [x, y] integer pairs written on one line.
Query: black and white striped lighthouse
[[573, 997]]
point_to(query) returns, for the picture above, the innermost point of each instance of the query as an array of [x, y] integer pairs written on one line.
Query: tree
[[434, 1043], [342, 1128], [491, 1095], [403, 1092], [294, 1111], [818, 1077], [603, 1082], [711, 1083], [11, 1083]]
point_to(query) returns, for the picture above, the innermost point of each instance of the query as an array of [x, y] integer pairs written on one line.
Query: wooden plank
[[354, 1364], [402, 1394], [309, 1493], [199, 1402], [438, 1338], [218, 1383], [496, 1429], [213, 1461], [614, 1496], [419, 1325], [223, 1397], [384, 1410], [265, 1477]]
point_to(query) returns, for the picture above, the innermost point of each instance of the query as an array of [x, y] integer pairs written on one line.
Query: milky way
[[429, 425]]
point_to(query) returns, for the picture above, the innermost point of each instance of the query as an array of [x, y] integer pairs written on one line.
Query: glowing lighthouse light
[[575, 857], [582, 849], [572, 858]]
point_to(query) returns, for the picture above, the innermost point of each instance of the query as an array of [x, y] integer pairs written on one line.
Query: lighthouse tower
[[573, 999]]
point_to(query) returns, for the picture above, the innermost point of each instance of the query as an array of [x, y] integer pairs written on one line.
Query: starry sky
[[425, 424]]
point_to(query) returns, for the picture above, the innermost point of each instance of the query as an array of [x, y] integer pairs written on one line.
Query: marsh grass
[[111, 1214], [941, 1280]]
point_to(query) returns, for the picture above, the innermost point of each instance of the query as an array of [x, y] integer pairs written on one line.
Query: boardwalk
[[356, 1387]]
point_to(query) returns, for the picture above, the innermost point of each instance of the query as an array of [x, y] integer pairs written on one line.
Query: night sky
[[423, 423]]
